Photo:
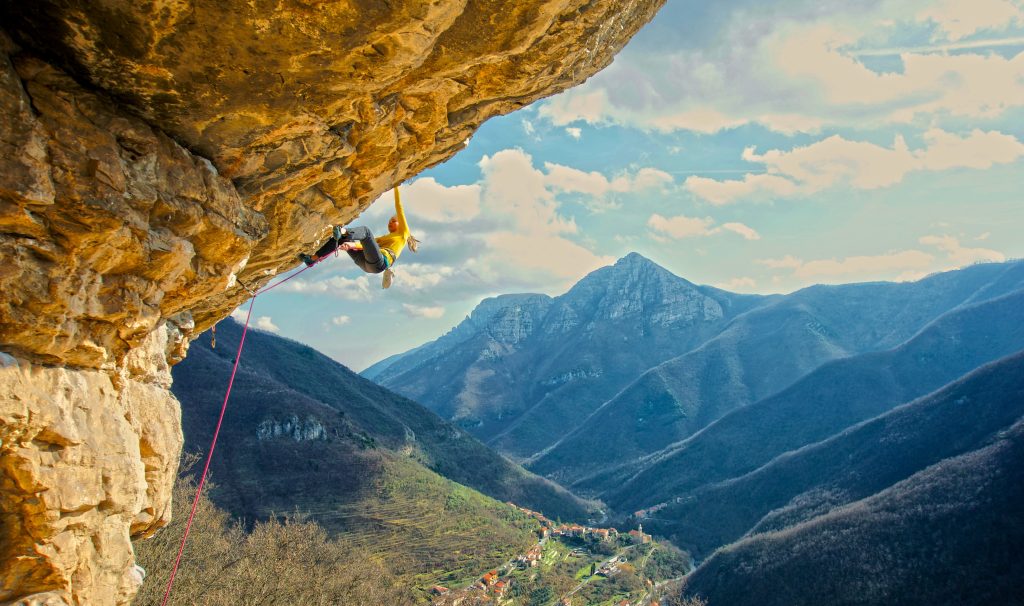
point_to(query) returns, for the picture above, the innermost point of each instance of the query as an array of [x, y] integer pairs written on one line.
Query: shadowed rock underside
[[156, 160]]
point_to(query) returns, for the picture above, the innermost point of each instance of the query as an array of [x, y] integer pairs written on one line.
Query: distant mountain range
[[305, 436], [809, 438], [633, 358], [822, 403], [923, 505], [523, 368], [757, 355]]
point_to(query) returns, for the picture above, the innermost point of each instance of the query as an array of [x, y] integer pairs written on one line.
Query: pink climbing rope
[[216, 432]]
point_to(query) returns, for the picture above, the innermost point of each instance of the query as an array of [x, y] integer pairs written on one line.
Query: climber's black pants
[[370, 259]]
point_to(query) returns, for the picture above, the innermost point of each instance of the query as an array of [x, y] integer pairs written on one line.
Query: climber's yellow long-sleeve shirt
[[394, 242]]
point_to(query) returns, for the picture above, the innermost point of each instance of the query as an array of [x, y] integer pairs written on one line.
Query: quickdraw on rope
[[216, 432]]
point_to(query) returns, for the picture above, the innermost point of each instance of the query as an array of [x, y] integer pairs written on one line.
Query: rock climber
[[372, 255]]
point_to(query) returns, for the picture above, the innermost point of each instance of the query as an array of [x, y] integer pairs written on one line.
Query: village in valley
[[574, 565]]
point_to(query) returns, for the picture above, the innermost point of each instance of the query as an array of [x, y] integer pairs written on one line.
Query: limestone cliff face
[[155, 157]]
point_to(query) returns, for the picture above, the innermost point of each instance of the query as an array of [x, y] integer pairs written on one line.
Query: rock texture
[[157, 158], [88, 462], [523, 370]]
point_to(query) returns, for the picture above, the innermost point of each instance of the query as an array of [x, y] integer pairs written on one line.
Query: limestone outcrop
[[158, 158]]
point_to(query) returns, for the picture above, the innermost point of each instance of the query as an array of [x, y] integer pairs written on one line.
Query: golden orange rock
[[152, 156]]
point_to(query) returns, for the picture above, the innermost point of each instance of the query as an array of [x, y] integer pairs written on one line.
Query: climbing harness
[[216, 432]]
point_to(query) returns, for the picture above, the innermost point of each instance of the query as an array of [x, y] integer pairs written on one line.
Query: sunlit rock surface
[[158, 158]]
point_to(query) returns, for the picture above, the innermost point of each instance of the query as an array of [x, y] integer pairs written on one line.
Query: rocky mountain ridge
[[759, 354], [513, 370], [632, 358]]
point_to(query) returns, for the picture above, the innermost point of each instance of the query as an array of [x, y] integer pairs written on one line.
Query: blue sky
[[757, 147]]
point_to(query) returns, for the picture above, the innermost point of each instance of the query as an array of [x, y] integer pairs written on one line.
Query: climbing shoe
[[389, 277], [308, 260], [340, 234]]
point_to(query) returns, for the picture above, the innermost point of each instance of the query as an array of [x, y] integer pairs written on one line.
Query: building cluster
[[549, 528], [646, 513], [491, 587], [531, 558]]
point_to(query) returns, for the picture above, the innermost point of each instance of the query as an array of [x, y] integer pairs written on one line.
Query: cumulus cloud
[[341, 287], [901, 265], [801, 68], [720, 192], [681, 227], [265, 323], [515, 190], [417, 311], [957, 19], [960, 255], [340, 320], [835, 161], [787, 262], [507, 231], [748, 233], [261, 322], [428, 201], [419, 277], [741, 284], [855, 267], [574, 132], [567, 179]]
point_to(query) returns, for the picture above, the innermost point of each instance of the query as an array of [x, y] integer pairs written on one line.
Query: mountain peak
[[635, 259]]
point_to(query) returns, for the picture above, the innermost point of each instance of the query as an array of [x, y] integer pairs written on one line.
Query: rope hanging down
[[216, 432]]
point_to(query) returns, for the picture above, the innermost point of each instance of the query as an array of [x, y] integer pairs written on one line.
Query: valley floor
[[574, 565]]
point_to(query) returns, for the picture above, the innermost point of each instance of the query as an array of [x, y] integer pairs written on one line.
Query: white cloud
[[855, 267], [836, 161], [787, 262], [865, 264], [419, 277], [802, 68], [340, 320], [743, 230], [265, 323], [700, 119], [304, 286], [728, 191], [979, 150], [960, 255], [574, 132], [901, 266], [567, 179], [681, 226], [348, 289], [591, 107], [957, 19], [742, 284], [425, 199], [515, 190], [519, 257], [416, 311], [240, 315]]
